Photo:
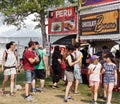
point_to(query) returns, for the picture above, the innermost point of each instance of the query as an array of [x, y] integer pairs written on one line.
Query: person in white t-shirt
[[77, 67], [94, 72]]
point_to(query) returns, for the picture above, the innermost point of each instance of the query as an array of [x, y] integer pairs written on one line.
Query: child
[[94, 72], [110, 76]]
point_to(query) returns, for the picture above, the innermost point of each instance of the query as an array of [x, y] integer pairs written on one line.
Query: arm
[[89, 71], [3, 61], [60, 61], [115, 77], [70, 61], [29, 58], [80, 63], [45, 61], [32, 60]]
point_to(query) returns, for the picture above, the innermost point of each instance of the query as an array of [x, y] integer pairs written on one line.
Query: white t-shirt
[[95, 76], [77, 55]]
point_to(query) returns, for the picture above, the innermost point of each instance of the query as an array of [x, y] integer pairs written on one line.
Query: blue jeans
[[29, 75]]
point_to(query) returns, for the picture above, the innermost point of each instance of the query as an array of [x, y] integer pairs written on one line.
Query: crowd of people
[[102, 69]]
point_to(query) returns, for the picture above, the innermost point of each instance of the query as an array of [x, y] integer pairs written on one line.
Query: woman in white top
[[9, 64], [94, 72]]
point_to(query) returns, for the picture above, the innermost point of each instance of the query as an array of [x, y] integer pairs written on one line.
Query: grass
[[83, 88]]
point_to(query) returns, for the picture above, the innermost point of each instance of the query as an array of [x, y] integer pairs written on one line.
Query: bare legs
[[94, 91], [108, 91], [12, 82]]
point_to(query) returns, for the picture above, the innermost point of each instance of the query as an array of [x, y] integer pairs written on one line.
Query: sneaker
[[34, 90], [95, 102], [28, 98], [92, 102], [69, 97], [42, 90], [108, 103], [76, 93], [54, 87], [66, 99]]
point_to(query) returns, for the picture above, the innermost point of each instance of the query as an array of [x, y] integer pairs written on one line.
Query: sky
[[11, 31]]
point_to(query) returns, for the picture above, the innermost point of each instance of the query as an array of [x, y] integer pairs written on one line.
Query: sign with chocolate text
[[96, 2], [63, 21], [100, 23]]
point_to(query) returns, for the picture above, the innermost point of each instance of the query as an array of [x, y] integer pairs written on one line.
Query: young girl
[[94, 72], [110, 76]]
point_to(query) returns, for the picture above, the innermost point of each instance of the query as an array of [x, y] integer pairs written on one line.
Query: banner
[[63, 21], [100, 23], [96, 2]]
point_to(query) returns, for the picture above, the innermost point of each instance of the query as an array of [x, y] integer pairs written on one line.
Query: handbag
[[63, 65]]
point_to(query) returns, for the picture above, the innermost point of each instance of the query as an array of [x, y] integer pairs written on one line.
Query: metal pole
[[78, 33]]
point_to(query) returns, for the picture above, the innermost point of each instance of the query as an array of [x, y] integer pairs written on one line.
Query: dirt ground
[[51, 96]]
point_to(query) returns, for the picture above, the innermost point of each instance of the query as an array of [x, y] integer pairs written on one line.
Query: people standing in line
[[110, 76], [29, 62], [41, 67], [70, 62], [9, 66], [77, 67], [94, 73], [56, 66]]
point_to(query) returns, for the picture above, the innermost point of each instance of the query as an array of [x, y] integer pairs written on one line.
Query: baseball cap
[[94, 57]]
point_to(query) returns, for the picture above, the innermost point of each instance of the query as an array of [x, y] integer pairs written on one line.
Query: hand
[[46, 69], [91, 71], [2, 69], [115, 83]]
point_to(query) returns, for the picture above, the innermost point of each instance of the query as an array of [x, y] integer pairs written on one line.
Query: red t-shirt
[[27, 65]]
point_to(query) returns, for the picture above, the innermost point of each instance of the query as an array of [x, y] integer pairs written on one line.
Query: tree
[[16, 11]]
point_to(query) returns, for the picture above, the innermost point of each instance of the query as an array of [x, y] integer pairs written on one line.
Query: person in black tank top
[[70, 61]]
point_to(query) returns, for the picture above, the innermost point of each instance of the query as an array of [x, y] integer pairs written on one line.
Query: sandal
[[12, 94], [2, 92]]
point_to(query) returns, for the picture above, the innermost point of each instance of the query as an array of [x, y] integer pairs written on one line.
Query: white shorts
[[10, 71]]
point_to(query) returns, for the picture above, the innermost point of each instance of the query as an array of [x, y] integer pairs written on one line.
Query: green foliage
[[16, 11]]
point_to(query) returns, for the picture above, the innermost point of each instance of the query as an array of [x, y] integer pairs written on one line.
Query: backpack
[[68, 67], [6, 55], [38, 56]]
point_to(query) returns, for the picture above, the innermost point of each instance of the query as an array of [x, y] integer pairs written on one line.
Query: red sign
[[63, 21]]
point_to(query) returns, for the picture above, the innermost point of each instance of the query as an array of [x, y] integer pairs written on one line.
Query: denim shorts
[[29, 75], [77, 75]]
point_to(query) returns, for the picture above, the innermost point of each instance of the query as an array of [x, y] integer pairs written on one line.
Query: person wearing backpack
[[41, 66], [70, 62], [9, 66], [29, 62]]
